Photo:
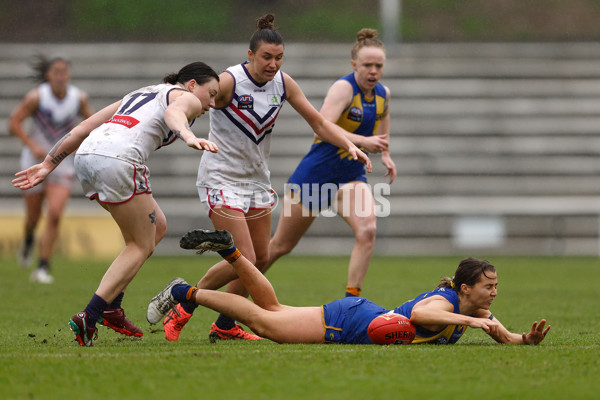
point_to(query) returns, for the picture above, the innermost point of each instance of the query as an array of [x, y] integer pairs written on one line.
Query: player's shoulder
[[444, 291]]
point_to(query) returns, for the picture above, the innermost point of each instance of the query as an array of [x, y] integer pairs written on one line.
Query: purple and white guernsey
[[242, 130]]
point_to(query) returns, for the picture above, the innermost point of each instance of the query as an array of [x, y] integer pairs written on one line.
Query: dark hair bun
[[265, 22]]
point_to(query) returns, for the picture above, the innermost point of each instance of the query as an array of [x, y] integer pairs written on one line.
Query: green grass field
[[40, 360]]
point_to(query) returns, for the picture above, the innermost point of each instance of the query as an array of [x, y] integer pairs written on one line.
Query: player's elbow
[[417, 317], [12, 125]]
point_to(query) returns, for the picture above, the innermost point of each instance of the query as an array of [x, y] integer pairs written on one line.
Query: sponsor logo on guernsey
[[355, 114], [245, 102], [124, 120], [274, 100]]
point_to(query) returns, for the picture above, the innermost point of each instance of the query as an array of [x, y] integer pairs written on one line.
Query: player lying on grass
[[440, 316]]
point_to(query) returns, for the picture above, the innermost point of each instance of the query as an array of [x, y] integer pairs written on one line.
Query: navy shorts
[[346, 320]]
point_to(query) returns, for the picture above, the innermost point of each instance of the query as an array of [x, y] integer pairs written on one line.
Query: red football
[[391, 329]]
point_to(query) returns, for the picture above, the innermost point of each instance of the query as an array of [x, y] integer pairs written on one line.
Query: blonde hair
[[366, 37]]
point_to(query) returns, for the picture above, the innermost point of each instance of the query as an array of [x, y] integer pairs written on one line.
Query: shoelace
[[179, 324], [170, 317]]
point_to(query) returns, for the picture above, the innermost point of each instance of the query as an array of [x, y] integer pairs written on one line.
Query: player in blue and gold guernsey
[[327, 176], [440, 316]]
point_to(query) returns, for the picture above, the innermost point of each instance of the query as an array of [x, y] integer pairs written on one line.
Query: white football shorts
[[235, 198], [111, 180], [63, 175]]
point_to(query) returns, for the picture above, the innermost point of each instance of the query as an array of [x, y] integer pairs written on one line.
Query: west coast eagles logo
[[355, 114]]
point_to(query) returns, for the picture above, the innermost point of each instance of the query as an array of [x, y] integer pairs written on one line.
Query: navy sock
[[44, 264], [116, 303], [180, 292], [189, 307], [224, 322], [226, 252], [29, 239], [94, 309]]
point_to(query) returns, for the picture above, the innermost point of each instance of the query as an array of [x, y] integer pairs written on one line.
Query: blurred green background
[[299, 20]]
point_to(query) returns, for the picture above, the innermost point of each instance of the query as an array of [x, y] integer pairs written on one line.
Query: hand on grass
[[537, 333]]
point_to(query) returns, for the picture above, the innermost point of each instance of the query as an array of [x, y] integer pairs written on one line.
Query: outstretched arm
[[185, 107], [535, 335], [68, 144], [435, 312], [325, 129]]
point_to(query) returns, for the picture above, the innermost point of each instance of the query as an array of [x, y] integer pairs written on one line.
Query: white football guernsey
[[137, 129], [242, 131], [54, 117]]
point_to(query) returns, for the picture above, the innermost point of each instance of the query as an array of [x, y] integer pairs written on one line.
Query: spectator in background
[[55, 106]]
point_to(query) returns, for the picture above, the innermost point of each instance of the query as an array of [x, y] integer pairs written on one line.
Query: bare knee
[[263, 325], [53, 219], [161, 229], [365, 234], [148, 251], [279, 248], [143, 249], [262, 262]]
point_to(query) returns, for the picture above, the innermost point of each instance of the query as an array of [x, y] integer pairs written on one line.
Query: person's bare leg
[[33, 213], [293, 223], [259, 227], [356, 207], [57, 197], [234, 222], [138, 220], [266, 316], [33, 210]]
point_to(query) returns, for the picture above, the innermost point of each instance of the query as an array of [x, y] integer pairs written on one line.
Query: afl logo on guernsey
[[245, 102], [355, 114]]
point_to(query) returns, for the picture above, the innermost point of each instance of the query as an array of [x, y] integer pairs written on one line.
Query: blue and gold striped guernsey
[[347, 320], [450, 333], [326, 163]]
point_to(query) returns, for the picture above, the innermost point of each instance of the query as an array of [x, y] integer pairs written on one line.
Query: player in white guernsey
[[55, 107], [234, 184], [112, 148]]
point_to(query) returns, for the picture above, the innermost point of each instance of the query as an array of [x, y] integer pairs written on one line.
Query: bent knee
[[262, 262], [161, 229], [279, 249], [366, 233], [144, 250]]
